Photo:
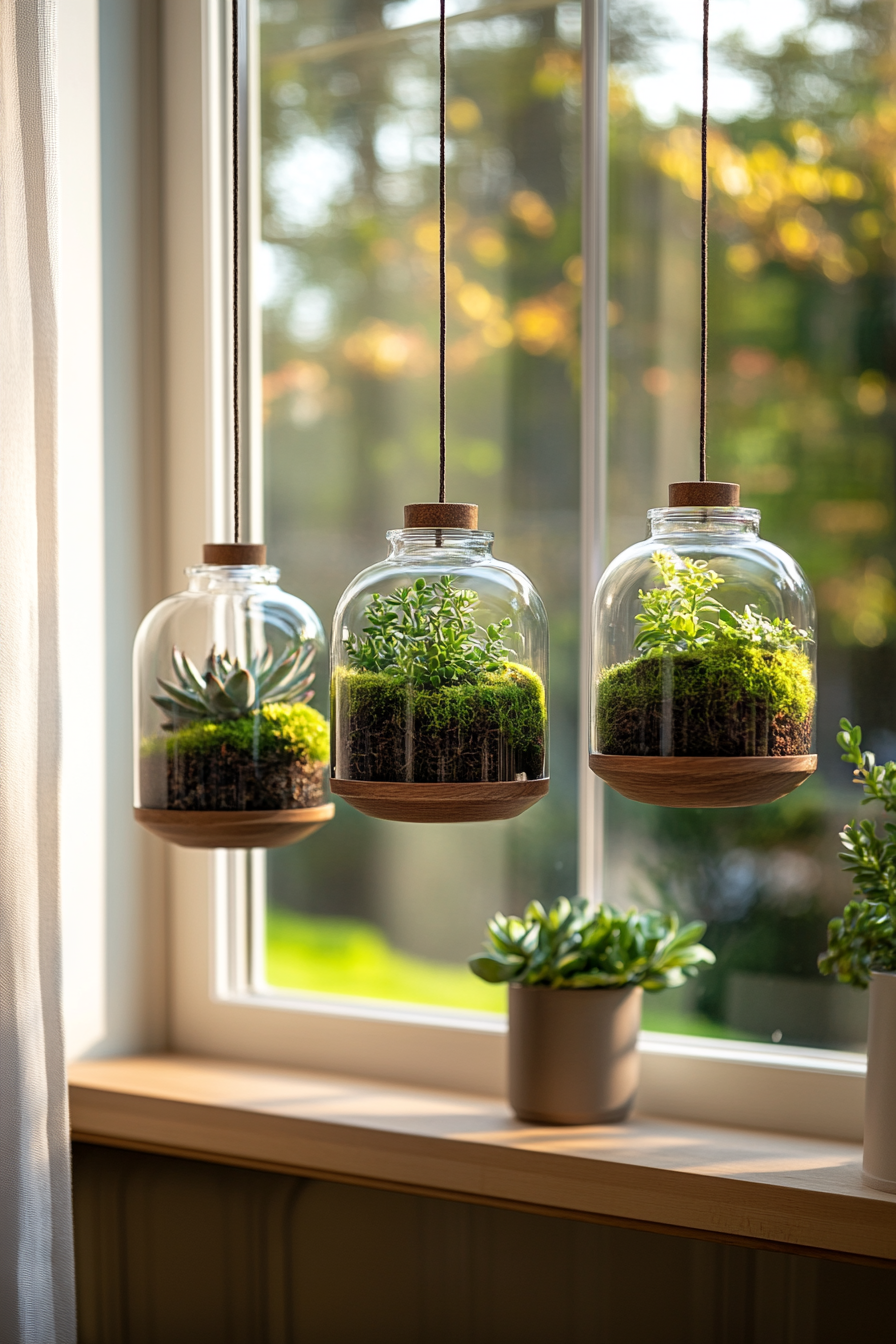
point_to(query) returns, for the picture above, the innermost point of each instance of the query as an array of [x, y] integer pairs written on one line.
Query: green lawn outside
[[349, 956]]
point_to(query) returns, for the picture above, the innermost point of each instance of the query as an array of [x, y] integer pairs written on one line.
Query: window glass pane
[[349, 272], [801, 412]]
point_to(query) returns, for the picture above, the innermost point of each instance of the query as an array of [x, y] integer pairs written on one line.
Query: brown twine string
[[442, 213], [235, 179], [704, 251]]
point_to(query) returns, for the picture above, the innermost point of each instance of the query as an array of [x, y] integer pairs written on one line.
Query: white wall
[[113, 876]]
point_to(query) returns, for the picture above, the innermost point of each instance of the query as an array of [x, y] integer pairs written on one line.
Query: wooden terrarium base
[[234, 830], [441, 802], [703, 781]]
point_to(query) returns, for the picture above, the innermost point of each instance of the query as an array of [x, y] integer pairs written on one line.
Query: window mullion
[[593, 412]]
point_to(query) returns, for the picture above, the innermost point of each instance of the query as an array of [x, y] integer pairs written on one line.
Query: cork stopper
[[442, 515], [234, 553], [704, 495]]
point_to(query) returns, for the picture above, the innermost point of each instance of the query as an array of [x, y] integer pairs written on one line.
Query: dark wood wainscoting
[[174, 1251]]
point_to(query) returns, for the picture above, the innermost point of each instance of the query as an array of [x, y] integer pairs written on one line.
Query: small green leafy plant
[[706, 681], [228, 690], [682, 615], [678, 615], [572, 946], [863, 939], [425, 634]]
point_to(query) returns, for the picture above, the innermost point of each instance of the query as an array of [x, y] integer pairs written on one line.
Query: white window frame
[[218, 1003]]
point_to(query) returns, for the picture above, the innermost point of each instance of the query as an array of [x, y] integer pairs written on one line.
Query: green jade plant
[[429, 696], [572, 946], [705, 680], [238, 737], [863, 938]]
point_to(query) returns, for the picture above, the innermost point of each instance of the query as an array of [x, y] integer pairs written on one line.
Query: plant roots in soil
[[489, 729], [722, 700]]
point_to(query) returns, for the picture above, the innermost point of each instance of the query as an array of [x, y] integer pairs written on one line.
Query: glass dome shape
[[439, 673], [231, 738], [703, 647]]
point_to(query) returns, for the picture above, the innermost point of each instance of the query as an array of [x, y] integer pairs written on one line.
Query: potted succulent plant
[[237, 738], [576, 977], [706, 680], [862, 950], [427, 696]]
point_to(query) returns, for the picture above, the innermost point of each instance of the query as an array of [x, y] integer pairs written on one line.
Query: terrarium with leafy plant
[[237, 736], [428, 695], [705, 680], [863, 938], [575, 946]]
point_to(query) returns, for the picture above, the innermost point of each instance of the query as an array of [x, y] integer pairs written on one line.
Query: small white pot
[[573, 1053], [879, 1158]]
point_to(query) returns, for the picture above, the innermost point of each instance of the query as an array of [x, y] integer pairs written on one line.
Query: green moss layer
[[725, 699], [489, 729], [271, 759], [296, 729]]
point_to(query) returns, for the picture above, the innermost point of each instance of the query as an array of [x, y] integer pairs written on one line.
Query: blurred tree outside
[[801, 411]]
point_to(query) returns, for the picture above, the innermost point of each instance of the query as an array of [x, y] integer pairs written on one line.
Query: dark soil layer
[[490, 730], [228, 780], [269, 760], [721, 702]]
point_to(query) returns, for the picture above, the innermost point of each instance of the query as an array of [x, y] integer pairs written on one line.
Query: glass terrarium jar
[[703, 662], [230, 748], [439, 668]]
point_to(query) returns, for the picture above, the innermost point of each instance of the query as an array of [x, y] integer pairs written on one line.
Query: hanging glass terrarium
[[703, 657], [703, 663], [439, 659], [229, 751], [439, 678]]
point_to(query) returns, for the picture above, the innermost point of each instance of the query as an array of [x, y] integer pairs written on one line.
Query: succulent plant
[[572, 946], [229, 690]]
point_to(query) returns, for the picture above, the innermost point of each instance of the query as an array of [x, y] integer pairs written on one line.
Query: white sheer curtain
[[36, 1259]]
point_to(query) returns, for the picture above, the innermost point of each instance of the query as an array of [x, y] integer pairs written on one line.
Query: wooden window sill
[[764, 1190]]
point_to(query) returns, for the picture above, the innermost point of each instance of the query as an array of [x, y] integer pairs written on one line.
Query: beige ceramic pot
[[573, 1053], [879, 1158]]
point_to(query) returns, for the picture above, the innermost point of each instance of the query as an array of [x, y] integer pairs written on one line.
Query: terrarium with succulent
[[233, 756], [229, 751], [427, 695], [238, 736], [706, 680]]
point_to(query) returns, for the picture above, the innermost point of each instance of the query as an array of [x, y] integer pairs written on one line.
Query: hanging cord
[[704, 250], [442, 213], [235, 179]]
